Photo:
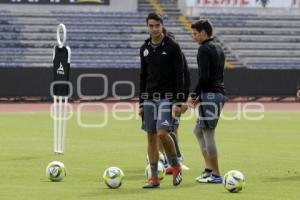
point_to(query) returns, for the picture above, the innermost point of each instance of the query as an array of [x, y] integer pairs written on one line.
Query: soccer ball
[[161, 171], [161, 158], [234, 181], [113, 177], [56, 171]]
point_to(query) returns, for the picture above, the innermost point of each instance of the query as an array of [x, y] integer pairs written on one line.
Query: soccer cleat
[[183, 166], [203, 177], [177, 174], [169, 170], [153, 182], [215, 179], [211, 179]]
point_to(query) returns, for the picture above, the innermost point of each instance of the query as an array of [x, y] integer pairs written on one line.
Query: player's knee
[[152, 138], [198, 133], [162, 133]]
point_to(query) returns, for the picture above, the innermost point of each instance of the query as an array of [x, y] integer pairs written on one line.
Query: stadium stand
[[108, 43], [97, 39], [166, 6], [111, 39], [260, 41], [169, 8]]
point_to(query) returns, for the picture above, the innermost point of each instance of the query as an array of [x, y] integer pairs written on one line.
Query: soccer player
[[209, 95], [161, 88], [175, 122]]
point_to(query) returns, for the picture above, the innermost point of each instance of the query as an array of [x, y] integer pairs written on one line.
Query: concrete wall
[[35, 82], [115, 6]]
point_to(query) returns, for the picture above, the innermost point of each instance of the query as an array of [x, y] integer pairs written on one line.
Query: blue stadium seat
[[110, 38]]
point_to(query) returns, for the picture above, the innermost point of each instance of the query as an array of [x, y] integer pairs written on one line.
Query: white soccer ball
[[113, 177], [56, 171], [161, 171], [161, 158], [234, 181]]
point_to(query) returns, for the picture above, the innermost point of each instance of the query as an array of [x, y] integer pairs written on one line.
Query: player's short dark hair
[[203, 24], [155, 16]]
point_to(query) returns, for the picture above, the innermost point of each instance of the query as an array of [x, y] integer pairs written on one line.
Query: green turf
[[266, 151]]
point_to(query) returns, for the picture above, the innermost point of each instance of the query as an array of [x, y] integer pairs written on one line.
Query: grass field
[[266, 151]]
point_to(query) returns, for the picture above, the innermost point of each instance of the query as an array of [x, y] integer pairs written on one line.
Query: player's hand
[[176, 111], [141, 112]]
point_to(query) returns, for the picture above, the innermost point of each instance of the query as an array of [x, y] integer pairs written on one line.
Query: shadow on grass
[[124, 190], [135, 175], [23, 158], [281, 179]]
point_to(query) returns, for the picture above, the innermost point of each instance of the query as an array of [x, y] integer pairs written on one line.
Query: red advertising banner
[[245, 3]]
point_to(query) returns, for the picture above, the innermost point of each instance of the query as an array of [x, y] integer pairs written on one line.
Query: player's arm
[[143, 78], [187, 83], [179, 79], [203, 69], [203, 76], [178, 74]]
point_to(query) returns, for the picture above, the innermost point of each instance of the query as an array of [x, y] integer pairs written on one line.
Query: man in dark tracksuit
[[184, 107], [209, 93], [161, 88]]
